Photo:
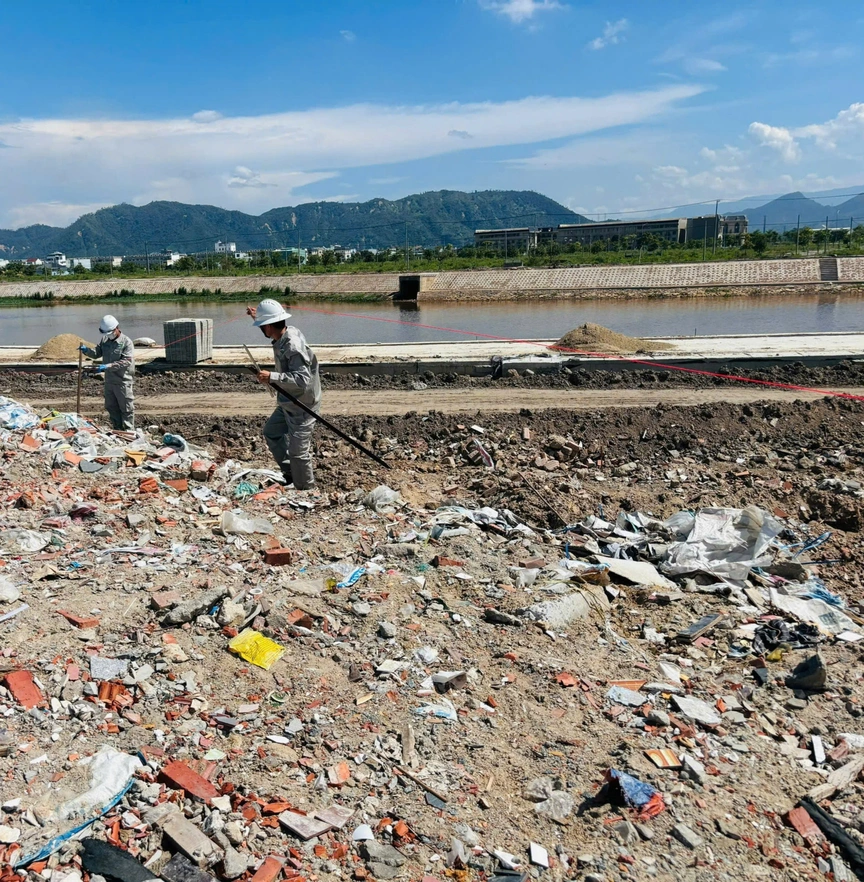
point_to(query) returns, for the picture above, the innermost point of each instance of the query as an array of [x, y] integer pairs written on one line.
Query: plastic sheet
[[233, 522], [111, 775], [725, 542], [256, 648], [16, 416], [382, 498]]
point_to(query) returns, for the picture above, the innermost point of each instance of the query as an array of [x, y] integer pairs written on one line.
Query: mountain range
[[779, 212], [433, 218], [429, 219]]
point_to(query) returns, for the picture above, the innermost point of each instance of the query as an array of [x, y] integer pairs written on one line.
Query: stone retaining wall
[[310, 285], [485, 284]]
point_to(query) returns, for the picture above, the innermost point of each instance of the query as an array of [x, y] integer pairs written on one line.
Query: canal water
[[410, 323]]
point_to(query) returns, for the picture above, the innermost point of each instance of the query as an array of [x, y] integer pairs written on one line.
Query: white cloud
[[55, 214], [848, 125], [703, 66], [348, 36], [611, 34], [271, 156], [520, 10], [206, 116], [777, 138]]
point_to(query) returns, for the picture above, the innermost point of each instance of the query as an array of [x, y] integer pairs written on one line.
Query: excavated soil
[[63, 347], [591, 337], [534, 704]]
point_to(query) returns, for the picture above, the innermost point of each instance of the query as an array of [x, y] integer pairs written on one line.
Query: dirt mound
[[595, 338], [63, 347]]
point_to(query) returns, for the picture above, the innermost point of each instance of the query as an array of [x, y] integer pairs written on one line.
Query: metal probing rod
[[318, 417]]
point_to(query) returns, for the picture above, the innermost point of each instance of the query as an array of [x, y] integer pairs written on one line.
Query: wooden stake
[[80, 371]]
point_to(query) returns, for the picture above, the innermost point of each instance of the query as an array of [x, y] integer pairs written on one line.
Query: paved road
[[337, 403]]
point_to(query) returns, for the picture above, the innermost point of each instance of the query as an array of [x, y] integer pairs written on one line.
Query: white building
[[226, 247], [86, 262], [57, 260]]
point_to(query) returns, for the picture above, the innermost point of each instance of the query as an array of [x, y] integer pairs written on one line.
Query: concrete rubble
[[433, 682]]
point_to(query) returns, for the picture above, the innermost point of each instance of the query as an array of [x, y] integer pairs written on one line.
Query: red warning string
[[791, 387]]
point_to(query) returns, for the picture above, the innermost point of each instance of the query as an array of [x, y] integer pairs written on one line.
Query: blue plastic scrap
[[636, 793], [53, 844], [353, 577]]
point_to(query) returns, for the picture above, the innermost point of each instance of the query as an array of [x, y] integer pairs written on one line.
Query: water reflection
[[412, 322]]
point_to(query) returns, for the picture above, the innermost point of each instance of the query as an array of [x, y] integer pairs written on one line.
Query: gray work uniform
[[288, 432], [119, 357]]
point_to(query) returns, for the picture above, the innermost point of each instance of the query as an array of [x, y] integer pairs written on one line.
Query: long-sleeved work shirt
[[117, 355], [296, 370]]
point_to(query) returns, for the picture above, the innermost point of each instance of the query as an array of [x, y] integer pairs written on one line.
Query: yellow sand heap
[[595, 338], [63, 347]]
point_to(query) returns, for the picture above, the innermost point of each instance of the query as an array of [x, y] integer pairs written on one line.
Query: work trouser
[[288, 434], [120, 403]]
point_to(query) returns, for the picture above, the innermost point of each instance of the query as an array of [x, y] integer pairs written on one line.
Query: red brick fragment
[[269, 870], [803, 825], [23, 689], [79, 621], [181, 485], [534, 563], [439, 561], [179, 776], [164, 599], [278, 557]]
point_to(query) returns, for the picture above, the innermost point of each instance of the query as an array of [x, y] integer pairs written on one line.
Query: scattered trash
[[256, 648]]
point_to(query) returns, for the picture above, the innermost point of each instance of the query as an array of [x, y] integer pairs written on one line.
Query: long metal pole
[[258, 368], [80, 371], [319, 418]]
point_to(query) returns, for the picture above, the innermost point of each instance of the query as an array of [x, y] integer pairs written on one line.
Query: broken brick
[[803, 824], [148, 485], [164, 599], [439, 561], [23, 689], [534, 563], [269, 870], [179, 776], [201, 470], [278, 557], [181, 485], [79, 621]]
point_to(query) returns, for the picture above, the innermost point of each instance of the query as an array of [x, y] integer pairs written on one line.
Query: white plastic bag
[[232, 522], [381, 498]]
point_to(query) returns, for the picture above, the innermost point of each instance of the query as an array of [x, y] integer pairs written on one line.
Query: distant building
[[517, 240], [226, 247], [734, 227], [113, 261], [512, 239], [86, 262], [57, 260]]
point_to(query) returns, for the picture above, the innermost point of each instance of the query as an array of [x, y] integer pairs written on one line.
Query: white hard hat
[[108, 324], [269, 311]]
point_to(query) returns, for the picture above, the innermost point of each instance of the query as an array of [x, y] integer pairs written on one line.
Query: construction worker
[[288, 432], [118, 366]]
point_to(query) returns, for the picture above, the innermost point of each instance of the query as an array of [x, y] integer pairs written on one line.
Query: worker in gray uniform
[[118, 366], [288, 432]]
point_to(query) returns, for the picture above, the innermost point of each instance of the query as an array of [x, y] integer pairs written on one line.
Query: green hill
[[434, 218]]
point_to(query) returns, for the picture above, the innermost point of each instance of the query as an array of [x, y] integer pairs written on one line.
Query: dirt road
[[385, 403]]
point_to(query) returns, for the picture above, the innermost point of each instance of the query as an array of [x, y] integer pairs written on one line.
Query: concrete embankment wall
[[726, 274], [686, 279], [306, 285]]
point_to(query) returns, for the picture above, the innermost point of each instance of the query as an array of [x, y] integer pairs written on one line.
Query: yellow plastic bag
[[254, 647]]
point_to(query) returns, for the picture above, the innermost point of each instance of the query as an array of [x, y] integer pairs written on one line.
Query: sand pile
[[63, 347], [595, 338]]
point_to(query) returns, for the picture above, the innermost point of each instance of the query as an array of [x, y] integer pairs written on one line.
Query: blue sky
[[605, 107]]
